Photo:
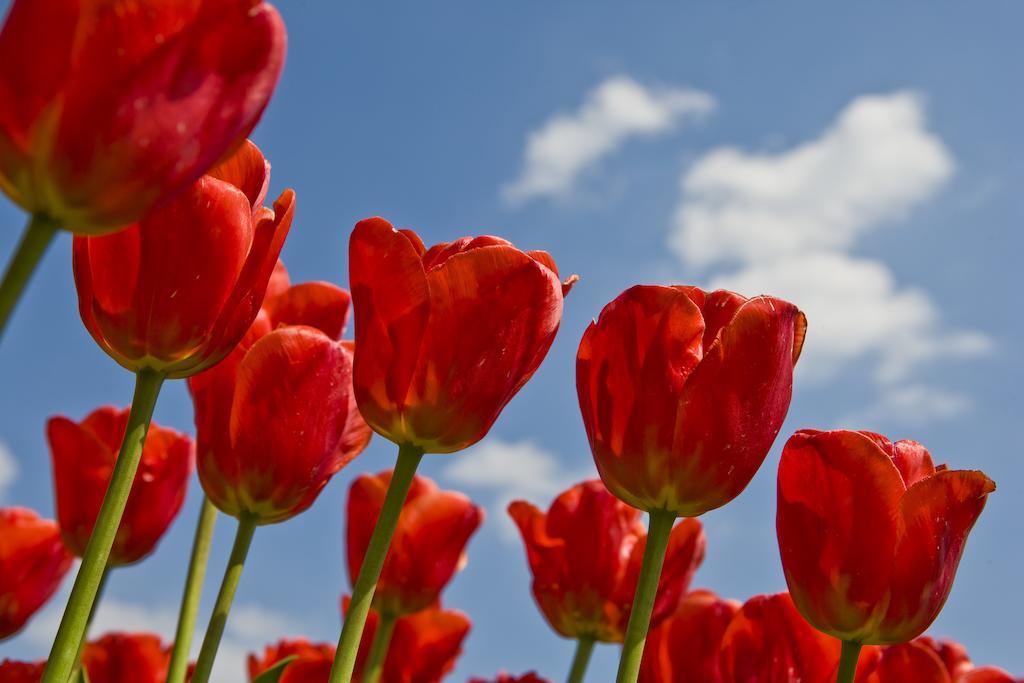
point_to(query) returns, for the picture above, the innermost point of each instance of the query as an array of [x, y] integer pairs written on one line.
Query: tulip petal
[[988, 674], [909, 662], [317, 304], [936, 515], [685, 647], [33, 561], [248, 170], [838, 503], [426, 645]]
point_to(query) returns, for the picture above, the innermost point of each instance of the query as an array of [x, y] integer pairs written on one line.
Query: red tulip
[[123, 657], [176, 292], [273, 430], [988, 674], [953, 655], [585, 556], [21, 672], [911, 661], [447, 335], [683, 392], [32, 563], [312, 663], [107, 108], [871, 532], [427, 548], [83, 460], [531, 677], [685, 647]]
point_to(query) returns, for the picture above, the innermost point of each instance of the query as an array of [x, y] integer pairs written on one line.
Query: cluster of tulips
[[128, 127]]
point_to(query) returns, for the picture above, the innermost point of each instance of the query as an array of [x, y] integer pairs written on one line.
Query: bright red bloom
[[121, 657], [312, 663], [585, 556], [530, 677], [33, 561], [424, 647], [21, 672], [871, 532], [911, 661], [275, 387], [447, 335], [683, 392], [109, 108], [953, 655], [83, 461], [987, 674], [427, 548], [177, 291], [685, 647], [768, 641]]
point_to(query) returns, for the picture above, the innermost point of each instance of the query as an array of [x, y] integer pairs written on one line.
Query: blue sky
[[863, 162]]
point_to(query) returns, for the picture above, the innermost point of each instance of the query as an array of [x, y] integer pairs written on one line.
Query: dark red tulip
[[530, 677], [911, 661], [768, 641], [447, 335], [108, 108], [176, 292], [123, 657], [871, 532], [312, 663], [585, 556], [427, 548], [33, 561], [21, 672], [84, 455], [275, 428], [685, 647], [683, 392]]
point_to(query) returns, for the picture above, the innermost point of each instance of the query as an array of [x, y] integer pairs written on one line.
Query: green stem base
[[848, 662], [38, 236], [366, 584], [228, 586], [646, 591], [75, 621], [584, 648], [193, 592]]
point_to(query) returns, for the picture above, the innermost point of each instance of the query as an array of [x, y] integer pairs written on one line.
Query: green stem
[[193, 591], [379, 650], [848, 661], [373, 561], [38, 235], [584, 648], [92, 616], [646, 591], [228, 586], [76, 615]]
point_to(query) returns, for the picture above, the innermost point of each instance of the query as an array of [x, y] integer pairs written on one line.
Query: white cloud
[[8, 470], [785, 224], [616, 110], [249, 628], [508, 471], [875, 163], [911, 404]]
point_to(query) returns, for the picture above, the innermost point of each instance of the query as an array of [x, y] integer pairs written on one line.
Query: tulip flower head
[[109, 108], [447, 335], [871, 532], [685, 647], [84, 455], [123, 657], [21, 672], [277, 418], [428, 546], [424, 647], [175, 292], [311, 663], [585, 555], [33, 561], [683, 392]]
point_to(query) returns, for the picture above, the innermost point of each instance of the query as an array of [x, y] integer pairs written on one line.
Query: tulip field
[[137, 139]]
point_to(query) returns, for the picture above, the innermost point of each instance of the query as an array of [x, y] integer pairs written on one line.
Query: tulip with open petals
[[175, 292], [107, 108], [685, 647], [428, 546], [83, 458], [33, 561], [448, 334], [871, 532], [585, 554]]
